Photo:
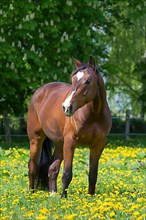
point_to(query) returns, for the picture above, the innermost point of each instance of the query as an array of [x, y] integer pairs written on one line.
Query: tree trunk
[[143, 96], [127, 126], [7, 128], [142, 110]]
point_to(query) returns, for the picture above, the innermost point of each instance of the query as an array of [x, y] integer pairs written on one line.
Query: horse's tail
[[44, 161]]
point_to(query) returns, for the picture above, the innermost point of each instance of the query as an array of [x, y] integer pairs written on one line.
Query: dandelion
[[16, 201], [5, 217], [140, 200], [29, 214], [43, 211], [136, 213], [5, 171], [11, 212], [112, 214], [41, 217], [3, 209], [71, 216], [56, 217], [142, 217], [23, 208]]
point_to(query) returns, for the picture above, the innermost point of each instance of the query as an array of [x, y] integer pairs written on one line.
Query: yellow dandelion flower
[[23, 208], [41, 217], [140, 199], [5, 171], [95, 216], [5, 217], [112, 214], [43, 210], [56, 217], [136, 213], [29, 214], [3, 209], [16, 201], [142, 217], [71, 216]]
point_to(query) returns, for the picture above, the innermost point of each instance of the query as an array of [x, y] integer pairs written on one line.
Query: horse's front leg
[[68, 153], [95, 154]]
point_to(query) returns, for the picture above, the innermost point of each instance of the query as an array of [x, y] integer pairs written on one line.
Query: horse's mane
[[81, 67]]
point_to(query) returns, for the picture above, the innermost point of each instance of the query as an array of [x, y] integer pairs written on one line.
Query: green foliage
[[39, 38], [126, 58]]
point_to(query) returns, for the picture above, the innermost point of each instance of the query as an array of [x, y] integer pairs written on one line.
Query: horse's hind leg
[[36, 138], [55, 167], [35, 147]]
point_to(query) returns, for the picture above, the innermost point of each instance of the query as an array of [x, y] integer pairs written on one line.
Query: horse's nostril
[[63, 107], [70, 108]]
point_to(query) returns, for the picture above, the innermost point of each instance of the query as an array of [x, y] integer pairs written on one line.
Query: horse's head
[[83, 88]]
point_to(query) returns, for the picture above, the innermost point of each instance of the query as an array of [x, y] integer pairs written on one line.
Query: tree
[[126, 58], [39, 38]]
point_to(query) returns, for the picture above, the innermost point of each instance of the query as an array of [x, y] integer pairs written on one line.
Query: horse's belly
[[52, 127], [52, 132]]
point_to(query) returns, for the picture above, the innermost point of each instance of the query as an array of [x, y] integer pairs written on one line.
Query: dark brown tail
[[44, 161]]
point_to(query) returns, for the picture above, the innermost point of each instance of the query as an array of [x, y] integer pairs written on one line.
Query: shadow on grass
[[112, 142], [17, 142], [136, 141]]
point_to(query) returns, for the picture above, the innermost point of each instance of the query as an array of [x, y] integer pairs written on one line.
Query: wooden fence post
[[127, 124], [7, 128]]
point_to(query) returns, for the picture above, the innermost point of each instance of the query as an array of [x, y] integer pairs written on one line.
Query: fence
[[127, 126], [13, 128]]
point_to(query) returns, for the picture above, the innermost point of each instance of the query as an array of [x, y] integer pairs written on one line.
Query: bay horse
[[67, 115]]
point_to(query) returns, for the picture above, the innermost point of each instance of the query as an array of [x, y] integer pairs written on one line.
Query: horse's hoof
[[52, 193], [64, 196], [31, 190]]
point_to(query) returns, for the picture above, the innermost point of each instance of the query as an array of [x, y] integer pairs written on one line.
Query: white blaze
[[66, 103], [80, 74]]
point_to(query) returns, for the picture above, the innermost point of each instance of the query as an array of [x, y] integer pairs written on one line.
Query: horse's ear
[[76, 62], [91, 63]]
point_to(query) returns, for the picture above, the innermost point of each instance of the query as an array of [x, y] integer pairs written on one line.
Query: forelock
[[80, 68]]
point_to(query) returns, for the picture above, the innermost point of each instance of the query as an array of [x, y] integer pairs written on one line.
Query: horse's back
[[48, 91]]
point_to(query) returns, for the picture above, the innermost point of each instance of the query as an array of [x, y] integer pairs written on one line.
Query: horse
[[68, 116]]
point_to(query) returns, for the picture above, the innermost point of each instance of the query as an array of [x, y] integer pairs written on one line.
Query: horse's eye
[[88, 81]]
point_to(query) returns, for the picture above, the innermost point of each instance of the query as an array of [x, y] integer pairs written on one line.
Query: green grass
[[120, 192]]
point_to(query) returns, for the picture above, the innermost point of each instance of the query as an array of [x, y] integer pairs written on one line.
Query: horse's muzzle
[[68, 111]]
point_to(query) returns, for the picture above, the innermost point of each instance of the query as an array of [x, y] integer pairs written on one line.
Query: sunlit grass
[[120, 192]]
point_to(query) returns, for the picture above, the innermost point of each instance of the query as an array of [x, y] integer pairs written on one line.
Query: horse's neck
[[99, 101]]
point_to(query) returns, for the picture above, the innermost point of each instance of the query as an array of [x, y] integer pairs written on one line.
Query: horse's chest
[[89, 134]]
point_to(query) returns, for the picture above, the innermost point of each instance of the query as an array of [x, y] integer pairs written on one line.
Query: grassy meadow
[[120, 192]]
